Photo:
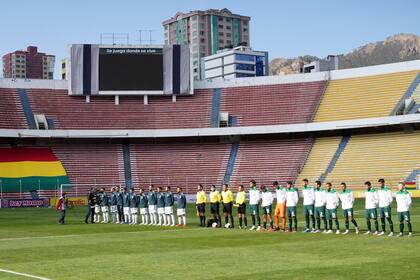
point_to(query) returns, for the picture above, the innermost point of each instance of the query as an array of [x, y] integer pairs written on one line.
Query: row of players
[[124, 206], [319, 205]]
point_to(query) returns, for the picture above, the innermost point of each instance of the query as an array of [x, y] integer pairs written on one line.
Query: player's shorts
[[161, 210], [331, 214], [280, 210], [308, 210], [126, 210], [152, 209], [143, 211], [267, 210], [134, 210], [371, 213], [227, 207], [242, 208], [114, 208], [201, 208], [320, 212], [97, 209], [291, 211], [180, 212], [385, 212], [347, 213], [403, 216], [104, 208], [214, 208], [169, 210], [254, 209]]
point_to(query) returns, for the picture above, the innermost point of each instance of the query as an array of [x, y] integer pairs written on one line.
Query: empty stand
[[364, 97], [11, 113], [272, 104], [266, 161], [392, 156], [319, 158], [69, 112], [183, 165]]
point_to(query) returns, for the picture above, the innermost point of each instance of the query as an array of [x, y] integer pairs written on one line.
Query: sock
[[253, 220], [290, 223], [318, 223], [172, 219], [164, 219], [402, 227], [330, 224], [410, 229], [283, 225], [265, 224], [179, 220], [226, 220], [240, 221], [313, 221], [383, 224], [246, 221], [369, 227], [354, 222], [201, 221], [307, 221], [103, 216], [259, 220], [325, 224], [376, 225], [231, 221], [347, 224], [391, 224], [271, 223], [276, 220], [295, 220], [184, 218], [337, 224], [160, 219], [204, 221]]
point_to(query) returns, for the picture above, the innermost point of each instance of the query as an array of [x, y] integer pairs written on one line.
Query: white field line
[[102, 233], [24, 274]]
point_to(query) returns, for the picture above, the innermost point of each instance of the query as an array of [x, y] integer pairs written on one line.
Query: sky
[[283, 28]]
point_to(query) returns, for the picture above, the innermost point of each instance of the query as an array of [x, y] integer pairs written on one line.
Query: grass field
[[32, 242]]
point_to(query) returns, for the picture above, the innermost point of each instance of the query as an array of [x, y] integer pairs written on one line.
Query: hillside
[[401, 47]]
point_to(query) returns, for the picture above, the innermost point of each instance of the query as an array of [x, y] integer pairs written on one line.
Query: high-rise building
[[29, 64], [207, 32]]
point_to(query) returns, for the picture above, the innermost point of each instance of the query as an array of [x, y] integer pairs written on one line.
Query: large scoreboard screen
[[138, 69], [115, 70]]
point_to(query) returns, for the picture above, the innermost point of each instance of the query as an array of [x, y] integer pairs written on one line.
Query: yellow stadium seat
[[364, 97]]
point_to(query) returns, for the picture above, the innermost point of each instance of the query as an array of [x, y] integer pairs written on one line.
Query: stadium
[[92, 131]]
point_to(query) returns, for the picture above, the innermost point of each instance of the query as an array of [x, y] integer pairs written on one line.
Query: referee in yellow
[[240, 203], [215, 199], [227, 199], [201, 205]]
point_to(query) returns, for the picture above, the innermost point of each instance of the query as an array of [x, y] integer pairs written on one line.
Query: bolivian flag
[[30, 168]]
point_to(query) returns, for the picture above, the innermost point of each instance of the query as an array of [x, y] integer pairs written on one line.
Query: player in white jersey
[[254, 201], [308, 205], [403, 199], [331, 205], [347, 201], [266, 205], [292, 200], [320, 201], [371, 202], [385, 201]]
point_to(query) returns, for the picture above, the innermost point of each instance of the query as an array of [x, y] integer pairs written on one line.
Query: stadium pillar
[[145, 100], [117, 100], [87, 98], [173, 98]]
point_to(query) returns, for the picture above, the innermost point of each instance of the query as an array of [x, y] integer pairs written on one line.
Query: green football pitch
[[32, 242]]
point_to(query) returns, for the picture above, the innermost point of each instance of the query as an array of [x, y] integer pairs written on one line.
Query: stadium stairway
[[363, 97], [320, 156], [215, 107], [413, 175], [367, 157], [416, 98], [27, 110], [407, 96], [231, 162], [333, 162]]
